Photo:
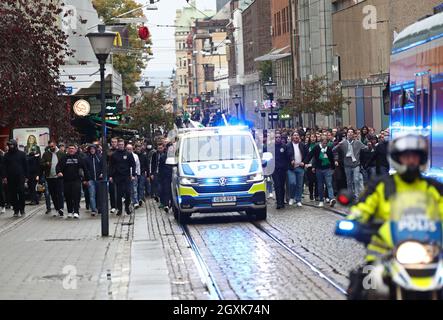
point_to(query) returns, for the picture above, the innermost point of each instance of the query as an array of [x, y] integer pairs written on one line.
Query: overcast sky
[[160, 68]]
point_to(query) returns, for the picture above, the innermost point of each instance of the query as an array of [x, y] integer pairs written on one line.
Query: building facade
[[363, 55], [185, 18]]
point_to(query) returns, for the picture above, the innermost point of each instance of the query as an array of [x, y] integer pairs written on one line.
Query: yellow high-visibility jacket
[[374, 205]]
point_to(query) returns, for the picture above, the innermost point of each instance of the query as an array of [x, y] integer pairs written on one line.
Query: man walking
[[381, 155], [351, 149], [112, 189], [297, 152], [122, 173], [323, 169], [134, 183], [49, 163], [143, 157], [72, 168], [15, 171], [280, 172], [95, 169]]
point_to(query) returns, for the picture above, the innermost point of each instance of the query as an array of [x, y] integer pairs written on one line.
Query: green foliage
[[265, 68], [149, 114], [315, 96]]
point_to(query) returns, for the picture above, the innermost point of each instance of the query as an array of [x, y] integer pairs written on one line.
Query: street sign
[[111, 108], [69, 90], [273, 115]]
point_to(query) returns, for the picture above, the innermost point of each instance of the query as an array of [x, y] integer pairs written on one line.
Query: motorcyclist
[[408, 155]]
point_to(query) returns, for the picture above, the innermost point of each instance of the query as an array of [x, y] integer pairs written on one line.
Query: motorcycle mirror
[[345, 197]]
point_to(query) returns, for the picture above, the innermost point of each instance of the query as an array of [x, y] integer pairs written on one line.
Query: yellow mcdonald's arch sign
[[118, 40]]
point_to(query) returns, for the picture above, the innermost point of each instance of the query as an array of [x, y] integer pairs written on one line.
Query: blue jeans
[[354, 180], [141, 187], [368, 174], [47, 195], [295, 181], [93, 195], [134, 189], [383, 171], [324, 177], [268, 185]]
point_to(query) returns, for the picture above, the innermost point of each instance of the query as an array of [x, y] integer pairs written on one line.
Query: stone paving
[[45, 257]]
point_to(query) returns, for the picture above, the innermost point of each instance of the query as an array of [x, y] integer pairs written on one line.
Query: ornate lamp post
[[271, 87], [102, 44]]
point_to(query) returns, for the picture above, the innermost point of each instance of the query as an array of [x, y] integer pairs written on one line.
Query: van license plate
[[224, 199]]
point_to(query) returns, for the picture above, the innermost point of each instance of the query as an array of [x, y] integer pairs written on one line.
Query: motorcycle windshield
[[415, 216]]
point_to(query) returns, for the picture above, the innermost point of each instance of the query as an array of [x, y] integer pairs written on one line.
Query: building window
[[278, 24], [284, 20], [288, 20]]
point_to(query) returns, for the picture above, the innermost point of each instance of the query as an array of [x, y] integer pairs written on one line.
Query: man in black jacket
[[297, 152], [165, 178], [73, 169], [122, 172], [381, 155], [143, 158], [95, 169], [324, 166], [15, 171], [112, 188], [153, 171], [280, 172]]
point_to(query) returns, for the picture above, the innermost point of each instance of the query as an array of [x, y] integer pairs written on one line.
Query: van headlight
[[187, 181], [257, 177], [412, 252]]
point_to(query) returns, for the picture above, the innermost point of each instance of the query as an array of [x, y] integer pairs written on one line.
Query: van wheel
[[260, 214]]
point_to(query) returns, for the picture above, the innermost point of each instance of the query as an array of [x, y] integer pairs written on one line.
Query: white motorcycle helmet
[[410, 142]]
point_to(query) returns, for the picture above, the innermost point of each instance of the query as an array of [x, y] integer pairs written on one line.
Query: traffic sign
[[273, 115]]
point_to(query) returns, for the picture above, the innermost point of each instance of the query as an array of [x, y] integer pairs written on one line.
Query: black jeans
[[32, 183], [165, 191], [279, 177], [112, 194], [123, 187], [55, 186], [2, 195], [16, 191], [73, 195], [312, 183]]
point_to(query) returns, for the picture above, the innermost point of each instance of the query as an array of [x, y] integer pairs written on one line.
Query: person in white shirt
[[134, 189], [297, 152]]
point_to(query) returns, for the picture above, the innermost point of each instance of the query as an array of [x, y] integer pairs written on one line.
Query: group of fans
[[326, 160], [63, 173]]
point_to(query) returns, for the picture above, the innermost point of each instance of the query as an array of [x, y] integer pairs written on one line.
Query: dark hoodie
[[72, 168], [15, 164]]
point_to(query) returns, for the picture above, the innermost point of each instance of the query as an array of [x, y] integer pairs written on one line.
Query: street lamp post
[[102, 43], [237, 100], [270, 87]]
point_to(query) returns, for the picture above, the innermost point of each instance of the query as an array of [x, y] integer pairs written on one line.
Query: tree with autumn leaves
[[32, 51], [129, 64], [316, 96], [149, 114]]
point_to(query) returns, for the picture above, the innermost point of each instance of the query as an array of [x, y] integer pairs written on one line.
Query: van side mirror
[[171, 161]]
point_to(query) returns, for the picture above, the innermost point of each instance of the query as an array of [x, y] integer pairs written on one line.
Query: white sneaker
[[3, 210], [271, 195], [291, 202], [55, 214], [299, 204], [333, 202], [136, 206], [321, 204], [70, 215], [113, 210], [327, 200], [76, 216]]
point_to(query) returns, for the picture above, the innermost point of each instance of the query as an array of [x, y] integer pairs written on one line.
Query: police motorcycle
[[413, 267]]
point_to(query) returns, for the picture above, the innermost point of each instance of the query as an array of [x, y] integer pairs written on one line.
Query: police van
[[218, 169]]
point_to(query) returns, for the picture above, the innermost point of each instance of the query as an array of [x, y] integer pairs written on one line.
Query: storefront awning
[[275, 54]]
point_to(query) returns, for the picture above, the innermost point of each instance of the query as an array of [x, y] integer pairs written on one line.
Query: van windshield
[[218, 147]]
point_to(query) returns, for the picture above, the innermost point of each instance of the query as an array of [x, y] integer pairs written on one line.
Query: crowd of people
[[323, 160], [65, 173], [326, 161]]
